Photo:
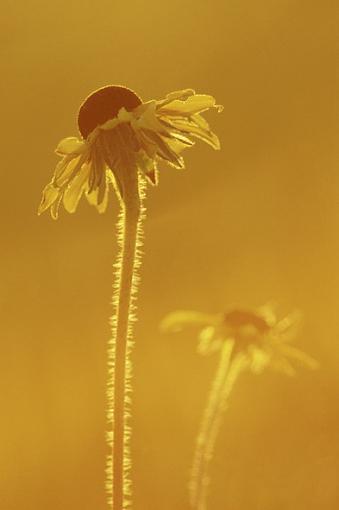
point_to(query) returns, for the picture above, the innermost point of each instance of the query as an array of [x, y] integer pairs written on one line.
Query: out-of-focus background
[[255, 222]]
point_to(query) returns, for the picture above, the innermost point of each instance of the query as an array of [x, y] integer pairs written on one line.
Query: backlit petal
[[55, 207], [163, 149], [70, 145], [178, 94], [298, 356], [49, 196], [175, 321], [99, 197], [189, 127], [73, 193], [258, 358], [148, 167], [67, 169], [193, 104], [177, 145]]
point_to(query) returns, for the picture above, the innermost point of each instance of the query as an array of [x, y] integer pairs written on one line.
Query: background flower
[[257, 335], [247, 340]]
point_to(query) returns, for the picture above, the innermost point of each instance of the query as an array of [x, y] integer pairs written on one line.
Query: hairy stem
[[118, 482], [226, 374]]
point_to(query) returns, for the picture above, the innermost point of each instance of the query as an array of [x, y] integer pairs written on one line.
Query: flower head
[[255, 336], [120, 133]]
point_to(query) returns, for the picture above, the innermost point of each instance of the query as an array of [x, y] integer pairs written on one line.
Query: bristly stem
[[118, 483], [227, 372]]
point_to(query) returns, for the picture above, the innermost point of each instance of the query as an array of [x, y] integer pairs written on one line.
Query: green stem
[[119, 383]]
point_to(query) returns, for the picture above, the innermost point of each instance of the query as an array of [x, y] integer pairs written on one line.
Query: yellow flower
[[255, 337], [120, 133], [246, 340]]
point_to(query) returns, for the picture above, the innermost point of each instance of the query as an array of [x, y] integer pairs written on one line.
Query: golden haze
[[256, 221]]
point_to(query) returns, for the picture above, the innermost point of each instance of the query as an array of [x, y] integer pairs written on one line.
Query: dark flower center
[[241, 318], [104, 104]]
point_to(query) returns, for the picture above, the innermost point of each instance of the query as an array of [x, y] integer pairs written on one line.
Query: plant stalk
[[228, 369], [119, 383]]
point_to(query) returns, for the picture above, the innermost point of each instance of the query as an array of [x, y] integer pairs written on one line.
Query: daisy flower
[[246, 339], [122, 140], [117, 130]]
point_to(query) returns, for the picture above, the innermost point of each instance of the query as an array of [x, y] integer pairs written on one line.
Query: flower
[[256, 338], [120, 133]]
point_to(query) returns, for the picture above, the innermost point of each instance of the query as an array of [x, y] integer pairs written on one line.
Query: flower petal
[[49, 196], [148, 167], [117, 186], [175, 321], [97, 169], [67, 169], [192, 128], [193, 104], [163, 149], [281, 364], [55, 207], [102, 193], [70, 145], [73, 193], [149, 120], [287, 328], [149, 147], [299, 356], [177, 145], [172, 96], [259, 359], [99, 197], [210, 340]]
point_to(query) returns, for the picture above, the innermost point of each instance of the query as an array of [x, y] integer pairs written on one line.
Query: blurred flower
[[246, 339], [256, 335], [121, 133]]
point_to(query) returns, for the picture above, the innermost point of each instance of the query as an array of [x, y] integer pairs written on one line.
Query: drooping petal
[[149, 147], [194, 104], [191, 128], [268, 313], [49, 196], [299, 356], [73, 193], [62, 167], [172, 132], [210, 340], [102, 191], [67, 169], [172, 96], [148, 167], [70, 145], [259, 359], [282, 365], [97, 168], [91, 175], [111, 178], [148, 120], [129, 136], [99, 197], [287, 327], [108, 149], [55, 206], [175, 321], [163, 149], [177, 145]]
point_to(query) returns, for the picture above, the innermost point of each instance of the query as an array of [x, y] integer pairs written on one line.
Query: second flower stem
[[229, 368]]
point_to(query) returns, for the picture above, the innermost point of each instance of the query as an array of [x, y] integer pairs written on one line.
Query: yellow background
[[257, 221]]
